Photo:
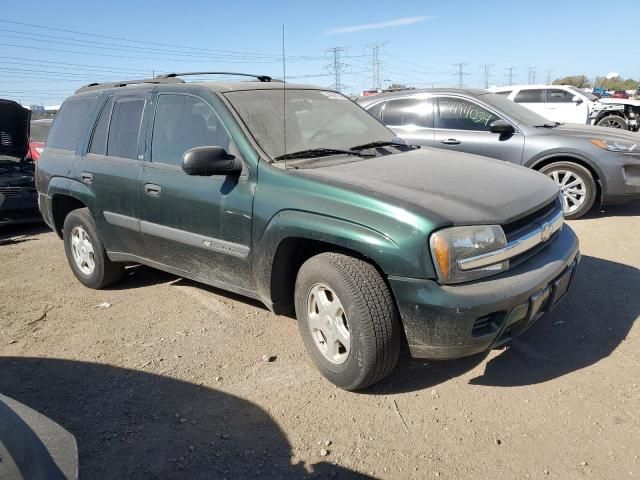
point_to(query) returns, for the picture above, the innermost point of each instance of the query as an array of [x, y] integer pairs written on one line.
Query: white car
[[568, 104]]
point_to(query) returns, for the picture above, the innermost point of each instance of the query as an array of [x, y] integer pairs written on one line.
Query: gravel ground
[[160, 377]]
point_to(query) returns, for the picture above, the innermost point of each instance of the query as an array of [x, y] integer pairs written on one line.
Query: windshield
[[590, 96], [517, 112], [315, 119]]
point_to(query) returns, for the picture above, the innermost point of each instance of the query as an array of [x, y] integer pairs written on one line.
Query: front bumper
[[19, 206], [446, 321], [622, 174]]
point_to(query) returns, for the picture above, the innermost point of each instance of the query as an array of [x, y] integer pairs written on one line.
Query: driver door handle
[[451, 141], [152, 189]]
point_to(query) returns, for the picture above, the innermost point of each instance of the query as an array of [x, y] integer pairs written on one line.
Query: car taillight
[[35, 149]]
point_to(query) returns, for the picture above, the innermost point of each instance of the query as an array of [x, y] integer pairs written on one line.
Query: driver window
[[461, 114], [183, 122]]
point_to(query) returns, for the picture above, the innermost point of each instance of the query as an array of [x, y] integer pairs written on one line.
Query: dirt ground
[[161, 377]]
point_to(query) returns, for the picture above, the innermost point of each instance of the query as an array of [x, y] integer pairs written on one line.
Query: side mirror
[[502, 127], [206, 161], [577, 100]]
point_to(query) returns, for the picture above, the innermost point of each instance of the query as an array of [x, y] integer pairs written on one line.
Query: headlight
[[615, 145], [450, 245]]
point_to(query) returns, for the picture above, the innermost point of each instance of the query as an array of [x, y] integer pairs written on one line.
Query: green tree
[[580, 81], [396, 86], [616, 83]]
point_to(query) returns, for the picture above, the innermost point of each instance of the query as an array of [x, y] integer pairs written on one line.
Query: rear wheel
[[613, 121], [577, 187], [86, 254], [347, 319]]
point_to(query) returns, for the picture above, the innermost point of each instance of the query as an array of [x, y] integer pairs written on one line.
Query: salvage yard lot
[[160, 377]]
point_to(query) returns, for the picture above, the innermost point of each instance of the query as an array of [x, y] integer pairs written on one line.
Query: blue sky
[[422, 41]]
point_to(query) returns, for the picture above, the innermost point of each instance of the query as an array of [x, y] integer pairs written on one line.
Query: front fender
[[564, 154], [385, 252]]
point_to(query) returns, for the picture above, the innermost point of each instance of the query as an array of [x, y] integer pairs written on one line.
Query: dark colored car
[[297, 197], [590, 164], [18, 196], [38, 137]]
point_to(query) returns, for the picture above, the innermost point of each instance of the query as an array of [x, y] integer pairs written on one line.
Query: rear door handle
[[451, 141], [152, 189], [86, 177]]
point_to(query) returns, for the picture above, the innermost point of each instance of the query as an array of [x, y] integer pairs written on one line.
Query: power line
[[337, 67], [510, 74], [461, 73], [487, 68]]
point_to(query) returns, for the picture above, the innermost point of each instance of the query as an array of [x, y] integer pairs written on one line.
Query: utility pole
[[461, 73], [487, 67], [510, 74], [375, 64], [336, 67], [532, 75]]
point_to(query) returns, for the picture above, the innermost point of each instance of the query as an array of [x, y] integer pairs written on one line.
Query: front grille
[[517, 228]]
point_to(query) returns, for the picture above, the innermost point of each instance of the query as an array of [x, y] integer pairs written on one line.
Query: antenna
[[284, 97]]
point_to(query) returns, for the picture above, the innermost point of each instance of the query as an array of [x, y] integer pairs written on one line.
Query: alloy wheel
[[572, 187]]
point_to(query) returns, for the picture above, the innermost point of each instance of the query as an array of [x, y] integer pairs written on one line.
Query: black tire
[[587, 178], [373, 319], [613, 121], [105, 272]]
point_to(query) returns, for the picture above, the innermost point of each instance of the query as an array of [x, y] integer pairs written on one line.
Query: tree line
[[612, 83]]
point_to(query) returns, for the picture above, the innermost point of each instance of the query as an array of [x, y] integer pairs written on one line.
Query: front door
[[563, 109], [199, 226], [463, 125]]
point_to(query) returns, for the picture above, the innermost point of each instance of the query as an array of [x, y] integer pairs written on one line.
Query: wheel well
[[577, 161], [61, 206], [290, 255]]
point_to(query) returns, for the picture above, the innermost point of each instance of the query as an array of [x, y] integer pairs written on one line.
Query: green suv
[[296, 196]]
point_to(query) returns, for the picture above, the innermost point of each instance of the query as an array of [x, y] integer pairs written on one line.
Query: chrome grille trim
[[531, 239]]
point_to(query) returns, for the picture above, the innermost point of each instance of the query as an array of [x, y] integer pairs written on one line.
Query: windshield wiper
[[379, 143], [321, 152]]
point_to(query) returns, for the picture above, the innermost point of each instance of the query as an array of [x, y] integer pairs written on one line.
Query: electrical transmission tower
[[337, 67], [375, 64], [460, 73], [487, 73], [532, 75], [549, 77], [510, 74]]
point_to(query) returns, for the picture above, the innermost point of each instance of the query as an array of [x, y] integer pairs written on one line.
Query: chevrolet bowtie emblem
[[547, 231]]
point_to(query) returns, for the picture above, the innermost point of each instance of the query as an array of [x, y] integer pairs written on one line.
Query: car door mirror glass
[[210, 160], [501, 126]]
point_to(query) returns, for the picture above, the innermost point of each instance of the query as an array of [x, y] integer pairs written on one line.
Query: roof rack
[[168, 78], [261, 78], [123, 83]]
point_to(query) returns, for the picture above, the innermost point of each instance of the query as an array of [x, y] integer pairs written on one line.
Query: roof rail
[[261, 78], [100, 86]]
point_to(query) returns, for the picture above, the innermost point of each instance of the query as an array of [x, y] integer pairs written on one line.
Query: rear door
[[533, 99], [112, 172], [463, 125], [563, 109], [199, 226], [411, 118]]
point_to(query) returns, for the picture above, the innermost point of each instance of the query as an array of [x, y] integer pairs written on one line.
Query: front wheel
[[348, 320], [613, 121], [577, 187]]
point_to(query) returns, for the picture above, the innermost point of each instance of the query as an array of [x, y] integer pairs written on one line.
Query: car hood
[[14, 130], [459, 188], [591, 131], [621, 101]]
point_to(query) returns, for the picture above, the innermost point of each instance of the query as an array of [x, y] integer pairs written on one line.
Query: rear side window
[[67, 126], [408, 112], [183, 122], [125, 128], [100, 133], [461, 114], [530, 96], [556, 95]]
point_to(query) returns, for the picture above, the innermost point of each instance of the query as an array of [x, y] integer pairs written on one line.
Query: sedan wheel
[[577, 187]]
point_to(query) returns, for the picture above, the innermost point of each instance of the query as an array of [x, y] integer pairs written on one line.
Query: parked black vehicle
[[18, 196]]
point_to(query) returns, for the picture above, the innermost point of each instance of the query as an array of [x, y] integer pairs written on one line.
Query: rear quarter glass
[[69, 121]]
